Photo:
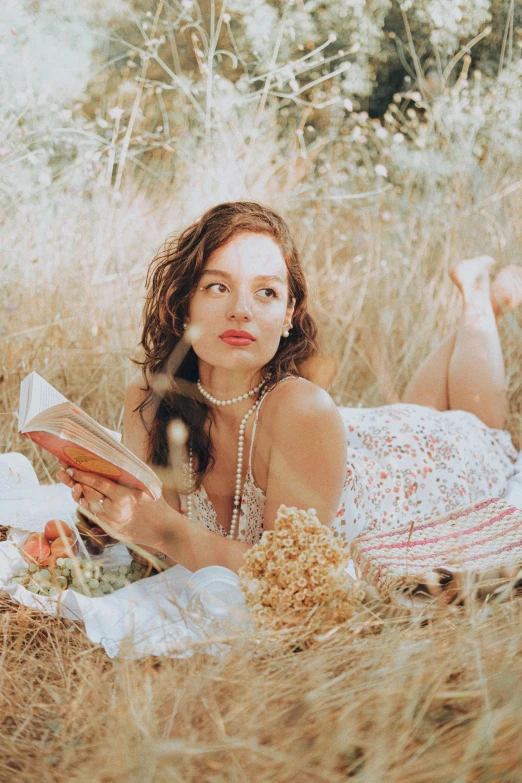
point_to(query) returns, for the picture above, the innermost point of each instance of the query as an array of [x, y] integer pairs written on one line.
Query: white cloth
[[173, 613]]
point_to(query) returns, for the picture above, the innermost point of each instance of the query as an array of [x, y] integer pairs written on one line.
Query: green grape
[[81, 575]]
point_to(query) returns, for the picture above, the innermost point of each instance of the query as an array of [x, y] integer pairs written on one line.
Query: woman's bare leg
[[429, 384], [474, 374]]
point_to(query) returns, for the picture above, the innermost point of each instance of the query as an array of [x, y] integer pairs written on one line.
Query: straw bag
[[475, 550]]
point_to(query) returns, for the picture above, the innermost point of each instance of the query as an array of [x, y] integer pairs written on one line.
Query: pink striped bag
[[475, 550]]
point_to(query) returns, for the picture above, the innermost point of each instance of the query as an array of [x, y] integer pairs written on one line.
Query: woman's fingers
[[78, 489], [102, 485], [77, 492], [65, 478], [92, 495]]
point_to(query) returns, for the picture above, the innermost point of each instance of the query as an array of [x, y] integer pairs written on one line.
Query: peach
[[63, 548], [55, 528], [37, 547]]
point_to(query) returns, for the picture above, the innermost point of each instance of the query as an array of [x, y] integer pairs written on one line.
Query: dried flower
[[295, 576]]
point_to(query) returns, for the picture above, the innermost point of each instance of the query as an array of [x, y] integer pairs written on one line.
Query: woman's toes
[[472, 273], [506, 290]]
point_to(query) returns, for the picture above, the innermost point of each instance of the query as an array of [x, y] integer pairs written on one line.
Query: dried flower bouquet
[[295, 577]]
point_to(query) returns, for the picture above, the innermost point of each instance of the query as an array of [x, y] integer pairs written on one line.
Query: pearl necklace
[[239, 470], [208, 396]]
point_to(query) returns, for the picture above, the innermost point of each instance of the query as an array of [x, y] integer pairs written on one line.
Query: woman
[[260, 435]]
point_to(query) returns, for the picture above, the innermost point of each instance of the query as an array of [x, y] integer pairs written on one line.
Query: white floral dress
[[409, 462], [405, 462]]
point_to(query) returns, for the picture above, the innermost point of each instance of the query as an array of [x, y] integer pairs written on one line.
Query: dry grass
[[383, 699], [386, 698]]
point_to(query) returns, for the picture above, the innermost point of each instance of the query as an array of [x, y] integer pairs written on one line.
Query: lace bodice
[[252, 510], [251, 513]]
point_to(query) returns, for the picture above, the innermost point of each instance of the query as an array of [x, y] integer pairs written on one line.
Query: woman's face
[[241, 304]]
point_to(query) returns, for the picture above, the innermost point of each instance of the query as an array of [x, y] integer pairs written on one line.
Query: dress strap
[[257, 416]]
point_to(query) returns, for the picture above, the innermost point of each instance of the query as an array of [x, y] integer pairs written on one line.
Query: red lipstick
[[237, 337]]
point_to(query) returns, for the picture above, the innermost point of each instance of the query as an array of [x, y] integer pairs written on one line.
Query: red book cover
[[81, 458]]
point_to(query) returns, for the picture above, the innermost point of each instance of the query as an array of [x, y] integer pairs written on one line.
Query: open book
[[56, 424]]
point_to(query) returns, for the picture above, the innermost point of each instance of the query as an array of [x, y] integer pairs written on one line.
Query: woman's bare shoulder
[[135, 426], [306, 450], [296, 400], [136, 392]]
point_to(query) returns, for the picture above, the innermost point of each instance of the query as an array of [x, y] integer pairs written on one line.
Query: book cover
[[81, 458]]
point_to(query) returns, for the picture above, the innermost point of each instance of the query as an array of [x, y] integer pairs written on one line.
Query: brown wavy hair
[[172, 279]]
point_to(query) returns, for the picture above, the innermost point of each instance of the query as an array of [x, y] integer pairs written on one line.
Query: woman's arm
[[194, 547], [182, 540], [154, 524], [308, 451]]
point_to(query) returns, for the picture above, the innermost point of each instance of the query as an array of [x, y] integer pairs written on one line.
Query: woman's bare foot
[[473, 275], [506, 290]]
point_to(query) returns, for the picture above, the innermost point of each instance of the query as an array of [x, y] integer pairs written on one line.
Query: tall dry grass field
[[389, 696]]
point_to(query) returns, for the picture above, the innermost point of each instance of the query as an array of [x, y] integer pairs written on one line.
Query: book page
[[98, 430], [116, 435], [36, 395], [68, 412]]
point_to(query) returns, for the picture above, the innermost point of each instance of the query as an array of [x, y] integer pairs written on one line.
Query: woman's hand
[[131, 513]]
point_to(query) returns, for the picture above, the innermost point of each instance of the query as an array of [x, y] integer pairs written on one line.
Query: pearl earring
[[286, 332], [185, 324]]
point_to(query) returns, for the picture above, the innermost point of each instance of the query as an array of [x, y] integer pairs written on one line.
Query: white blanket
[[173, 613]]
